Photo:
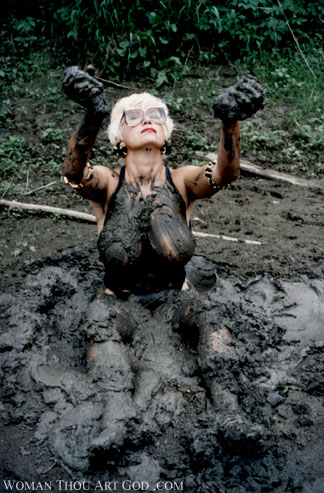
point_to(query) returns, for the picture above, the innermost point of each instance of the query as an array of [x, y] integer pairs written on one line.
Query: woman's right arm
[[91, 183]]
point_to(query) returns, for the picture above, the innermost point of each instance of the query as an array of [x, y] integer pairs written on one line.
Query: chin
[[152, 143]]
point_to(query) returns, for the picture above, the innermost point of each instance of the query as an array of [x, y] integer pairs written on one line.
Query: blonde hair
[[141, 100]]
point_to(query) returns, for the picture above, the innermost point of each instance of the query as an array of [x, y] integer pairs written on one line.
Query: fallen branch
[[252, 169], [12, 204], [46, 208]]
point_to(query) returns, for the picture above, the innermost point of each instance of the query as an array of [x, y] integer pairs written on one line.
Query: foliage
[[159, 39]]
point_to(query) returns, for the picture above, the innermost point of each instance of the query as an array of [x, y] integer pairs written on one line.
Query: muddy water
[[218, 389]]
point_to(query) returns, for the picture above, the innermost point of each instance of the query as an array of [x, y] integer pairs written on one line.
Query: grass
[[293, 136], [36, 119]]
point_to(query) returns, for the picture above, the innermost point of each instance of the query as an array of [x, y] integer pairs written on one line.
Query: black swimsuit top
[[145, 242]]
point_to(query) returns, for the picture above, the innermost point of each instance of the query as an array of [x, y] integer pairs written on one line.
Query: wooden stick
[[226, 238], [252, 169], [90, 218], [46, 208]]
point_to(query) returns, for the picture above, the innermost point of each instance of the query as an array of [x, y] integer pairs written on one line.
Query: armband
[[88, 176], [208, 173]]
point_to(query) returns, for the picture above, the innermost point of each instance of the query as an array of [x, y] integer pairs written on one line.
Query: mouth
[[149, 129]]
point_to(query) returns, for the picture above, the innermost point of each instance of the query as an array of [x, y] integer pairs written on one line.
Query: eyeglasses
[[135, 116]]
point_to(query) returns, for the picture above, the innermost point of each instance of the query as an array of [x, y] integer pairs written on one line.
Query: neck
[[145, 166]]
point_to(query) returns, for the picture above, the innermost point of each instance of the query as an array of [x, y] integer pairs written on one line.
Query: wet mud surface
[[218, 389]]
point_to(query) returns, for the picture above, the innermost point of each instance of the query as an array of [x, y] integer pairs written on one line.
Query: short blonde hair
[[141, 100]]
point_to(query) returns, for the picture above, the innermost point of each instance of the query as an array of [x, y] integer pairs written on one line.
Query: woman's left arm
[[236, 103]]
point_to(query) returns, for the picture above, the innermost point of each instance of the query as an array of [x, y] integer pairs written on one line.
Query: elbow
[[234, 175], [230, 177]]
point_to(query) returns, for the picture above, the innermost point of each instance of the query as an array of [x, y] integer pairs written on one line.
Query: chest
[[138, 208], [137, 226]]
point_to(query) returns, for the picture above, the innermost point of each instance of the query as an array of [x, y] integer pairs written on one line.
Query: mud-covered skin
[[85, 90], [239, 101], [205, 390], [145, 242]]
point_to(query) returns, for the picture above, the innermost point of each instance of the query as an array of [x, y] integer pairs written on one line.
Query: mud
[[146, 253], [219, 389], [85, 90], [239, 101]]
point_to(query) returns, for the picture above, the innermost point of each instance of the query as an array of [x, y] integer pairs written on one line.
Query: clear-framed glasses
[[135, 116]]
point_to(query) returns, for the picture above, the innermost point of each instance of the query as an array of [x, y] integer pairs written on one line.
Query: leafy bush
[[159, 39]]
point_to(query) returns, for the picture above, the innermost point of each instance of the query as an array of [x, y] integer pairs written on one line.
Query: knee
[[99, 321]]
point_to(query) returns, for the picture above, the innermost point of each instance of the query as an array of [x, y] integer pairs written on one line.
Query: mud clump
[[239, 101], [85, 90], [206, 391]]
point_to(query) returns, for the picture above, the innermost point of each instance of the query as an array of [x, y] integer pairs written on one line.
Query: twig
[[296, 41], [13, 43], [188, 55], [49, 468], [27, 182], [226, 238], [111, 83], [41, 188], [90, 218], [8, 186]]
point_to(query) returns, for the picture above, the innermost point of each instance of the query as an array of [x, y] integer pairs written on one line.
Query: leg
[[93, 429]]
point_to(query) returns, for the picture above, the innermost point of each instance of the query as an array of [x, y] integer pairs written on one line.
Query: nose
[[146, 120]]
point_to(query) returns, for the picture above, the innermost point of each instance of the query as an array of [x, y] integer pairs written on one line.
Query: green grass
[[295, 104]]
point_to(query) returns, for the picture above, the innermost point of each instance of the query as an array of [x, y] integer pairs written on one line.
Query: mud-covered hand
[[239, 101], [85, 90]]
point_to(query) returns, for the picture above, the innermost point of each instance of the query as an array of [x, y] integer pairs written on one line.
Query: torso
[[145, 242]]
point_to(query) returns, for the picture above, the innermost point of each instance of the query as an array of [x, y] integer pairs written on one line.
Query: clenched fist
[[239, 101], [85, 90]]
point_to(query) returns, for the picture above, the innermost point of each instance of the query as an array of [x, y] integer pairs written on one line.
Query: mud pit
[[209, 392]]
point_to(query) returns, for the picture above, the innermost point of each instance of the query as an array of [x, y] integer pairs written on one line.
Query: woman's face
[[143, 127]]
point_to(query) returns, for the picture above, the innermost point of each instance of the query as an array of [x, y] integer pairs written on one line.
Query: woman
[[134, 357], [143, 208]]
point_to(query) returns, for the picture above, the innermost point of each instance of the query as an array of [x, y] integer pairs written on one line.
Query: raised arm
[[84, 89], [236, 103]]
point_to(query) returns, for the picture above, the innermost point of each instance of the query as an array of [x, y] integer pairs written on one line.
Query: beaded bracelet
[[208, 173], [88, 176]]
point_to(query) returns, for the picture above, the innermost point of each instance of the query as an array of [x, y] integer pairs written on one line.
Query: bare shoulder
[[101, 184], [106, 176], [188, 179], [186, 173], [99, 190]]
